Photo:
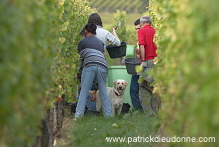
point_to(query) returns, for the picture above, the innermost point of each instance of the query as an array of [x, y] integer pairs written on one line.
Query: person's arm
[[142, 52], [113, 39], [114, 33], [141, 44]]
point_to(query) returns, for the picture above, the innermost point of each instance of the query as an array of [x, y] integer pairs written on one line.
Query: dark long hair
[[91, 27], [95, 18]]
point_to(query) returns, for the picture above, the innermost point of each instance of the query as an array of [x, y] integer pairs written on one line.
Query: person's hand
[[137, 52], [144, 64], [114, 30]]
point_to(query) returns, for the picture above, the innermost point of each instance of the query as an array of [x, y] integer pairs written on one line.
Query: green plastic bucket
[[119, 72]]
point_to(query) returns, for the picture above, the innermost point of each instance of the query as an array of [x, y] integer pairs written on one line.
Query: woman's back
[[91, 42], [105, 36]]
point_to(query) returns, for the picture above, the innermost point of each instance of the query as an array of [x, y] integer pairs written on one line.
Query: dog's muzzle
[[120, 89]]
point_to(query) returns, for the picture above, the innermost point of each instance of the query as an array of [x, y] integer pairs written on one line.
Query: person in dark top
[[90, 42], [94, 66], [134, 86]]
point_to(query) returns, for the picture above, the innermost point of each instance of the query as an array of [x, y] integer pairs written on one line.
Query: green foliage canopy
[[38, 62], [188, 68]]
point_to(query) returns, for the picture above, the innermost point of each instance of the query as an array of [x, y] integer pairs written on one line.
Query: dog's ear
[[126, 83], [114, 83]]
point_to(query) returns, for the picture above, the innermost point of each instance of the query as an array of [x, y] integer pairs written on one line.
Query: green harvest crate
[[120, 72]]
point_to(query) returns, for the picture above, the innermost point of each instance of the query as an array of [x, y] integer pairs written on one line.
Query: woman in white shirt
[[104, 35]]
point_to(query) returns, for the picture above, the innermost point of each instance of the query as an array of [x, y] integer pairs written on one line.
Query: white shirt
[[105, 36]]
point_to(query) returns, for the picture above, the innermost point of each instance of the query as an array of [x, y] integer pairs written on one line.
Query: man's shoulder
[[146, 29], [150, 28], [100, 42], [96, 38], [142, 30], [91, 38], [81, 41]]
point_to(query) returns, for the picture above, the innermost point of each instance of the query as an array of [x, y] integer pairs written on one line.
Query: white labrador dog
[[116, 95]]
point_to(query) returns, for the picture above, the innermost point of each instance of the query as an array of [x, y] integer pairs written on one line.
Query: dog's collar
[[117, 93]]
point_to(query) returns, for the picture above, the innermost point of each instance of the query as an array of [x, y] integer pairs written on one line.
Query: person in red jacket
[[147, 49], [145, 37]]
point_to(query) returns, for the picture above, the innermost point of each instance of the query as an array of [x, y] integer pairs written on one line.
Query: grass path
[[92, 130]]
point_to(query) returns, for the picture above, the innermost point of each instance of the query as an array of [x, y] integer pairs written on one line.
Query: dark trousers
[[134, 92], [145, 90]]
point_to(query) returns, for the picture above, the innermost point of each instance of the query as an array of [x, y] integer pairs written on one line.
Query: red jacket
[[146, 37]]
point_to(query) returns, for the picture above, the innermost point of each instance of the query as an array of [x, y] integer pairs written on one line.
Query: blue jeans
[[91, 105], [134, 92], [88, 76]]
